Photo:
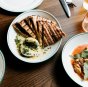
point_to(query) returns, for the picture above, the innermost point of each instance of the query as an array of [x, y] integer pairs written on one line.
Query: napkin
[[69, 1]]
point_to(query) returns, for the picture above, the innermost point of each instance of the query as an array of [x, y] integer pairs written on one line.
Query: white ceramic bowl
[[2, 66], [66, 59], [11, 35]]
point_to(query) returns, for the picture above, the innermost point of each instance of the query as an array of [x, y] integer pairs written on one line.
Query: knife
[[65, 8]]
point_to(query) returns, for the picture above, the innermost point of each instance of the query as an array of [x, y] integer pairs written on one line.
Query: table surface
[[47, 74]]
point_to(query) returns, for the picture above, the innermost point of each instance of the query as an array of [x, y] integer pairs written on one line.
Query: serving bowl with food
[[75, 58], [34, 36]]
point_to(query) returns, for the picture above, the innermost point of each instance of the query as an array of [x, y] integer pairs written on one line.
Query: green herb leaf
[[83, 54], [77, 56], [25, 50]]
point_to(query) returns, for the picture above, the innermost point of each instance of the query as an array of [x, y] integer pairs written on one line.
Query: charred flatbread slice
[[41, 32], [52, 32], [24, 25], [60, 31], [35, 26], [45, 20], [47, 34], [20, 30]]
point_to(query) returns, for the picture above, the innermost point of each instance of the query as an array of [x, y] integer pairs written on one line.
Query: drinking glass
[[85, 4], [85, 21]]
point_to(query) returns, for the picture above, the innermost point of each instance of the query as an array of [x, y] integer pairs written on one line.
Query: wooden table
[[47, 74]]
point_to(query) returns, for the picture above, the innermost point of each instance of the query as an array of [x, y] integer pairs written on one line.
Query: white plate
[[19, 5], [66, 59], [11, 35], [2, 66]]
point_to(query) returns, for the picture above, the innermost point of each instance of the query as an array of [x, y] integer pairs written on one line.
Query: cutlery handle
[[65, 7]]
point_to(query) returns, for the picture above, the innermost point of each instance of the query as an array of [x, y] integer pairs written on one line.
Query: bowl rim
[[4, 66]]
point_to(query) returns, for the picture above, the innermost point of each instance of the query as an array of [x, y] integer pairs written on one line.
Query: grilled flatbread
[[44, 30]]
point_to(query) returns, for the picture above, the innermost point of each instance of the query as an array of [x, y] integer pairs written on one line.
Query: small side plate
[[19, 5]]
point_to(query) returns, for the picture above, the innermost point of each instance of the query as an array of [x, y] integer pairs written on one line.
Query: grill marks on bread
[[25, 26], [20, 29], [40, 28]]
